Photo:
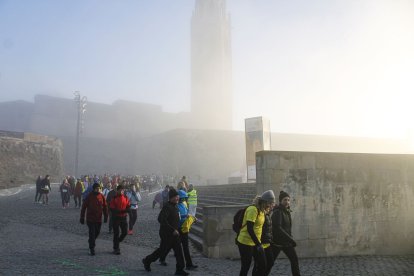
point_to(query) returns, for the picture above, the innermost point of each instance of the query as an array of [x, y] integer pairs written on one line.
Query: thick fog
[[325, 67]]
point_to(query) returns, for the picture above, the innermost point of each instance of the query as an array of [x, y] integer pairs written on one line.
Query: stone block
[[307, 161], [300, 232], [272, 162], [318, 231]]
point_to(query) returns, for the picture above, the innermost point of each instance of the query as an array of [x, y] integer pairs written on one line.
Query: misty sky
[[324, 67]]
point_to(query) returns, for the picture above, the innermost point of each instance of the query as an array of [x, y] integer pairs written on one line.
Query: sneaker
[[129, 232], [147, 265], [191, 267], [92, 252], [181, 272], [117, 251], [163, 263]]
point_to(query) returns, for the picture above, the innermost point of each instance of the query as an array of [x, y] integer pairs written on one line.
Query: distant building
[[211, 70]]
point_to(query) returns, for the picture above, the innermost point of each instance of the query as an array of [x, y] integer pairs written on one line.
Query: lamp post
[[81, 109]]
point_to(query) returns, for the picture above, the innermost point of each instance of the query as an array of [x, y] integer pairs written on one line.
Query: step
[[197, 241], [197, 230], [208, 202]]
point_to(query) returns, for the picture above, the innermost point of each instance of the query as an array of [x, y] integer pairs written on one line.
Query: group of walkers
[[122, 200], [265, 231]]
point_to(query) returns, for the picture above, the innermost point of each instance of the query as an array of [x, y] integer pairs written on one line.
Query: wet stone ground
[[48, 240]]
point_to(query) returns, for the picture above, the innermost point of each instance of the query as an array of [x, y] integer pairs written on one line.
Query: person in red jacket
[[119, 207], [95, 204]]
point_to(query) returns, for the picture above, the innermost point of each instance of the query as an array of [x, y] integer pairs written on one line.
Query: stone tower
[[211, 89]]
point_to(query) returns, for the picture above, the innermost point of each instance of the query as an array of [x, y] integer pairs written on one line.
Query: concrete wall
[[23, 159], [344, 203]]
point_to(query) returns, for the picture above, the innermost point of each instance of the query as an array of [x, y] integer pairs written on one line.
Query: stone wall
[[344, 203], [219, 237], [23, 159]]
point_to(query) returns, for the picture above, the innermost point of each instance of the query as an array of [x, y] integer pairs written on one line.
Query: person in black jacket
[[45, 188], [38, 189], [282, 232], [170, 238]]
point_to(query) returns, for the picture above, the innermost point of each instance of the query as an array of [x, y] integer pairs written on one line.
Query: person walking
[[282, 233], [267, 237], [134, 198], [77, 194], [109, 197], [157, 199], [249, 238], [45, 188], [95, 205], [38, 189], [169, 220], [165, 194], [65, 193], [183, 210], [192, 200], [119, 206]]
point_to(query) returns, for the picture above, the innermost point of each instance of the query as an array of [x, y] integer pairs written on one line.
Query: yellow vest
[[192, 197]]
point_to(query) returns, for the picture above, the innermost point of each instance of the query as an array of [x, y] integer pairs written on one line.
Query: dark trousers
[[38, 195], [290, 252], [119, 223], [168, 242], [77, 199], [246, 254], [269, 261], [65, 198], [133, 214], [186, 250], [94, 230], [111, 221]]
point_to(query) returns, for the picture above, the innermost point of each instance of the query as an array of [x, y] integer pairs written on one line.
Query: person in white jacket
[[134, 198]]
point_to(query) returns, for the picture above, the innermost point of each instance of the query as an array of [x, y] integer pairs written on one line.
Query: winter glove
[[260, 249], [82, 221]]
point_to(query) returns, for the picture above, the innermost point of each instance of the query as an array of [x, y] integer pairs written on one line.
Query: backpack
[[238, 220]]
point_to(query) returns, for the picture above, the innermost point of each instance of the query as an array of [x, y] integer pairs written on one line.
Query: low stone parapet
[[219, 237]]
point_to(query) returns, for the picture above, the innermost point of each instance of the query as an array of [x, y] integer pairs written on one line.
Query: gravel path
[[48, 240]]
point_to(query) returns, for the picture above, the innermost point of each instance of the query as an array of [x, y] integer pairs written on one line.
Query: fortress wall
[[23, 159]]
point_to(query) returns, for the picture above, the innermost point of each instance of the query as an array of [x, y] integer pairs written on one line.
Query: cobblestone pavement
[[48, 240]]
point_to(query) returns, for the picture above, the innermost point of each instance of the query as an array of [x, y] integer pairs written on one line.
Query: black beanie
[[282, 195], [95, 185], [172, 193]]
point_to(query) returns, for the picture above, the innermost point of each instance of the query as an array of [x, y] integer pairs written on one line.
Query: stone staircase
[[219, 195]]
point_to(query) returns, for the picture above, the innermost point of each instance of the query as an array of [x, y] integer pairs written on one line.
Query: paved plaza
[[48, 240]]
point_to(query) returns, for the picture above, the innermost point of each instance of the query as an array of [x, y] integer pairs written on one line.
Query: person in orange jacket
[[119, 207]]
